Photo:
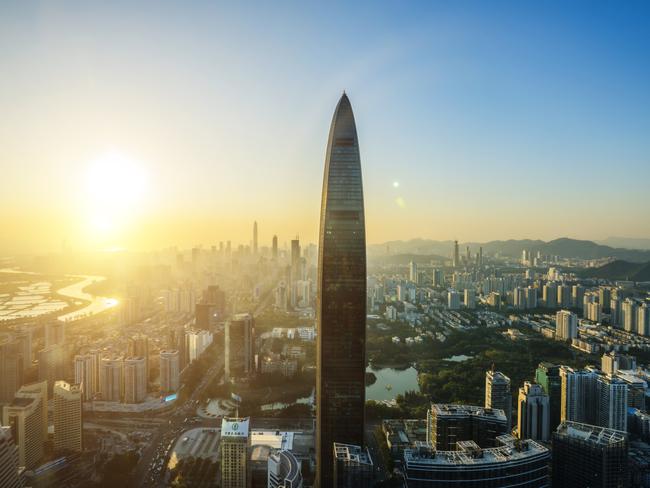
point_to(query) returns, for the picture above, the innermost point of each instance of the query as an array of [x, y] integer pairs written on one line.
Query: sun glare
[[116, 186]]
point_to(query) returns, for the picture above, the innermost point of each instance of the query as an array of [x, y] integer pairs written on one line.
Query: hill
[[621, 270]]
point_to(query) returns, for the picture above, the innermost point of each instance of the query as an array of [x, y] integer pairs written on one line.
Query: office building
[[566, 325], [612, 402], [587, 456], [547, 375], [353, 467], [498, 394], [169, 370], [86, 374], [239, 346], [341, 309], [448, 424], [511, 463], [26, 415], [235, 439], [456, 257], [111, 379], [296, 264], [68, 422], [9, 475], [283, 470], [135, 380], [533, 409], [255, 238], [11, 365]]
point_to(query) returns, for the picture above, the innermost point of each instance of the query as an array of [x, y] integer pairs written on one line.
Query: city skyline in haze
[[476, 123]]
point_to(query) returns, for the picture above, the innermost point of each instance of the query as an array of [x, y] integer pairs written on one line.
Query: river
[[75, 291]]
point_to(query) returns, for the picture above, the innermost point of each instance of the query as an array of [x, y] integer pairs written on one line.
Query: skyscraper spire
[[340, 381]]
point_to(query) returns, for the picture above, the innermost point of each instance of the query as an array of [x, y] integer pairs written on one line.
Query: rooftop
[[352, 453], [450, 410], [469, 453], [591, 433]]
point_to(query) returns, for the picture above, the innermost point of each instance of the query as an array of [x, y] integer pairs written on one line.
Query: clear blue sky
[[496, 119]]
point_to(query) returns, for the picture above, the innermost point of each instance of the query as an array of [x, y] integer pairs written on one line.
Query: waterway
[[75, 291], [391, 382]]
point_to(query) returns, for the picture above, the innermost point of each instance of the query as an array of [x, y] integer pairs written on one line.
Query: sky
[[180, 123]]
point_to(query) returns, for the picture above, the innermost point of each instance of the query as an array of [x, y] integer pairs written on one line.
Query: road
[[150, 470]]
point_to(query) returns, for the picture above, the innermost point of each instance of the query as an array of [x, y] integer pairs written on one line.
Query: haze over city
[[324, 245], [141, 126]]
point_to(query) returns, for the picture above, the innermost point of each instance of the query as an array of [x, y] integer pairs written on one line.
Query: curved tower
[[341, 340]]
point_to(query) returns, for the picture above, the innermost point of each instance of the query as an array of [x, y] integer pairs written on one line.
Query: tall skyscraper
[[533, 413], [9, 477], [255, 237], [612, 402], [549, 295], [566, 325], [135, 380], [139, 347], [68, 423], [579, 395], [586, 456], [234, 452], [52, 364], [413, 272], [456, 262], [547, 375], [296, 268], [341, 308], [498, 393], [169, 370], [274, 248]]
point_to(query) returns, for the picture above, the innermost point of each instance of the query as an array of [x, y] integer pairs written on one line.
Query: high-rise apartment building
[[566, 325], [9, 475], [612, 402], [549, 295], [111, 378], [498, 394], [341, 305], [643, 319], [169, 370], [469, 298], [135, 380], [197, 341], [413, 272], [139, 347], [587, 456], [564, 298], [235, 439], [533, 413], [579, 395], [629, 315], [86, 374], [577, 295], [453, 300], [52, 364], [68, 422]]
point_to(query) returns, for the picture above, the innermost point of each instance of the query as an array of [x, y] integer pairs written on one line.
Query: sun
[[116, 186]]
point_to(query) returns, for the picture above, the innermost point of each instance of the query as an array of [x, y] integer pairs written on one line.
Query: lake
[[401, 380]]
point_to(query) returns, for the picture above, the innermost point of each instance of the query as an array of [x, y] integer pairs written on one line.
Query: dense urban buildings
[[341, 315]]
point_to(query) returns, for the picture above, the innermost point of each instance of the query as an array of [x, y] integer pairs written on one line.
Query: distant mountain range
[[563, 247], [626, 242], [620, 270]]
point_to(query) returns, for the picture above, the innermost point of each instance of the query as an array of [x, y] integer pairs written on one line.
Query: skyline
[[495, 123]]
